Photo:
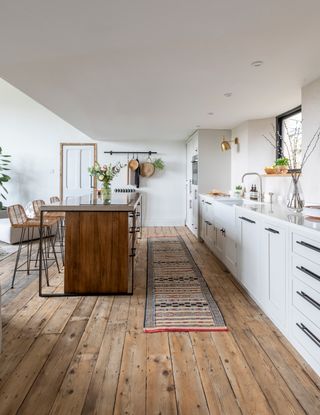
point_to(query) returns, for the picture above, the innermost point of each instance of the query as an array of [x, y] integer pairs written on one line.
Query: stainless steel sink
[[240, 202]]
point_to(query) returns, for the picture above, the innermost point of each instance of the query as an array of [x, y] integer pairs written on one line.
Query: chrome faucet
[[260, 195]]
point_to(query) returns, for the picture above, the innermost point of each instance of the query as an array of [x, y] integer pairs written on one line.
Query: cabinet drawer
[[307, 271], [307, 301], [306, 333], [306, 247]]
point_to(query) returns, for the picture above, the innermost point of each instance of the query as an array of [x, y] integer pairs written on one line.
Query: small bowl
[[269, 170]]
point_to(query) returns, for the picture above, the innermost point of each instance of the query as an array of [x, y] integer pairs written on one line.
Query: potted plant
[[281, 165], [4, 178], [158, 164]]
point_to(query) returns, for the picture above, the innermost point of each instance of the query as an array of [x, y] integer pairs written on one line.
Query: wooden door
[[76, 158]]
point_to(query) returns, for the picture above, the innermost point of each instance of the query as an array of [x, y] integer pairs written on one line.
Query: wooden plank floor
[[89, 355]]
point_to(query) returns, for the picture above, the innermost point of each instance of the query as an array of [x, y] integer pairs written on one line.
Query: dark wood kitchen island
[[100, 243]]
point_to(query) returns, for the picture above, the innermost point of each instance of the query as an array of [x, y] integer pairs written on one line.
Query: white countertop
[[274, 211]]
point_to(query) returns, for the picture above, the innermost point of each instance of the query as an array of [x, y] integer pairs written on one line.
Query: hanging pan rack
[[130, 152]]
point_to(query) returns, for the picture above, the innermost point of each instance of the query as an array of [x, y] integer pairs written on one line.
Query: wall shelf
[[276, 175]]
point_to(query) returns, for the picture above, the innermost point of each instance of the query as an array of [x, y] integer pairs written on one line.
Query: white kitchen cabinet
[[226, 235], [207, 232], [230, 251], [277, 262], [248, 240], [304, 295], [273, 266], [218, 230]]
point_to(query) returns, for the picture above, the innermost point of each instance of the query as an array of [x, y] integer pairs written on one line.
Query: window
[[289, 136]]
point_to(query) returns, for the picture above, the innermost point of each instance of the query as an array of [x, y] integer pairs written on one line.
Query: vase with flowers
[[105, 174], [295, 159]]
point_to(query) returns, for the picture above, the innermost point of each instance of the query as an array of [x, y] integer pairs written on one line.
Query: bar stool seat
[[37, 204]]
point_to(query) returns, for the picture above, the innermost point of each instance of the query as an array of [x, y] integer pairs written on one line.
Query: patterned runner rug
[[178, 298]]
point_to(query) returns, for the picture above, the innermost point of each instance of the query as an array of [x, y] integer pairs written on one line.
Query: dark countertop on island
[[119, 202]]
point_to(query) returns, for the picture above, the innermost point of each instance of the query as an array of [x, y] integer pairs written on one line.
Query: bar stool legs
[[23, 231], [48, 244]]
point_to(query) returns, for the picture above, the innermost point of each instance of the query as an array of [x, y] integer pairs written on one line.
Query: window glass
[[289, 137], [292, 139]]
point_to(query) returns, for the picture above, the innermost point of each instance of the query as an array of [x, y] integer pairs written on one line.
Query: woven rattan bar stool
[[60, 231], [19, 219], [49, 235], [54, 199]]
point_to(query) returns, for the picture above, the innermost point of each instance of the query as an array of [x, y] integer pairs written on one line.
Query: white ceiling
[[153, 69]]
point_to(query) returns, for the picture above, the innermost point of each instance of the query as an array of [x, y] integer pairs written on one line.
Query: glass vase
[[295, 199], [106, 191]]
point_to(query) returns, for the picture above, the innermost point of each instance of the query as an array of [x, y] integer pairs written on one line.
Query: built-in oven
[[194, 170]]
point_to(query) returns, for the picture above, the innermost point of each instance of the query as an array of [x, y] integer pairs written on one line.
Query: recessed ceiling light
[[257, 64], [228, 94], [210, 113]]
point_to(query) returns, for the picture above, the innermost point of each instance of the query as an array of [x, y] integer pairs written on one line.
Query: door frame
[[62, 145]]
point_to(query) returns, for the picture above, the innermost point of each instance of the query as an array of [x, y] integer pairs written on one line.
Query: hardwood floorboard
[[89, 355], [44, 390]]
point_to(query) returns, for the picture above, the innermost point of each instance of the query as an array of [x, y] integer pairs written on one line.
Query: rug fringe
[[183, 329]]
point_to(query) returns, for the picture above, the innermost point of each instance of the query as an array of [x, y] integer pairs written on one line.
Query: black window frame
[[279, 121]]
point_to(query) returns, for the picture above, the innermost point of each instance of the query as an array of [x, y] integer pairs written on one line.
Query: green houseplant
[[4, 178], [158, 164], [282, 165]]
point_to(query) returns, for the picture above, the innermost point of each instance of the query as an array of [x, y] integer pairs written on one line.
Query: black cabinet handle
[[208, 203], [305, 244], [309, 333], [209, 223], [309, 299], [271, 230], [246, 219], [310, 273]]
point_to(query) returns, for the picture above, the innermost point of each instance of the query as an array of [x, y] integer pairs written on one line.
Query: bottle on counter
[[251, 194], [254, 192]]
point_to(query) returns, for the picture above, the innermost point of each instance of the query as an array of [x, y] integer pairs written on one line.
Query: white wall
[[164, 192], [214, 165], [32, 135], [240, 154], [255, 153], [311, 121]]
